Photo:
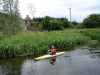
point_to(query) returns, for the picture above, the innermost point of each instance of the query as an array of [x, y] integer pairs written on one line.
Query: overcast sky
[[80, 9]]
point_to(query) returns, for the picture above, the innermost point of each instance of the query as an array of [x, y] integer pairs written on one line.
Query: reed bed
[[35, 42], [94, 34]]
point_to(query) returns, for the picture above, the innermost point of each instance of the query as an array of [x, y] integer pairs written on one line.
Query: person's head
[[52, 47]]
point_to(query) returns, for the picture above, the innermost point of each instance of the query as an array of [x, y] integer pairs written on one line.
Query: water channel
[[81, 60]]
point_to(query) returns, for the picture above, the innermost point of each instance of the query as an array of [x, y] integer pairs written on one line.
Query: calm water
[[80, 61]]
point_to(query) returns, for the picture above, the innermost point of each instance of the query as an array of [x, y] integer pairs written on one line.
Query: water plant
[[35, 42]]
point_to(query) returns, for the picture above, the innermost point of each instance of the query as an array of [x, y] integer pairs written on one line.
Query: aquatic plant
[[94, 34], [35, 42]]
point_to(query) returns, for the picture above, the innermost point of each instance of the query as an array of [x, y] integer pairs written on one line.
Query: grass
[[34, 42], [94, 34]]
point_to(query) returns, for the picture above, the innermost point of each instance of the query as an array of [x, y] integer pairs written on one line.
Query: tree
[[50, 23], [45, 22], [55, 24], [1, 21], [92, 21], [32, 10], [11, 21], [65, 23], [75, 23]]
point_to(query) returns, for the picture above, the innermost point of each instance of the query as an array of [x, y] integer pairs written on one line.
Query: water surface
[[80, 61]]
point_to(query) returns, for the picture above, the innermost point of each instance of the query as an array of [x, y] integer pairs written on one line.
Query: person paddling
[[52, 51]]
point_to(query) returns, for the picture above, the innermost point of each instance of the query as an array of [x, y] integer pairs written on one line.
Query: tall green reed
[[94, 34], [31, 42]]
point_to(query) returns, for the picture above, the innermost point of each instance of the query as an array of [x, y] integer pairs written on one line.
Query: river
[[81, 60]]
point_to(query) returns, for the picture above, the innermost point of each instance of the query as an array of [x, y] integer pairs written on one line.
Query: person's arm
[[55, 50]]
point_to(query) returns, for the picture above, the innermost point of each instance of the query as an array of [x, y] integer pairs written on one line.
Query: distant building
[[27, 23], [31, 26]]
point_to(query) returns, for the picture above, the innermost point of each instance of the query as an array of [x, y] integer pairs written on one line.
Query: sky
[[80, 9]]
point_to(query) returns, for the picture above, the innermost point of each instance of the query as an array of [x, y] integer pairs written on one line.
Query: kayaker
[[52, 51]]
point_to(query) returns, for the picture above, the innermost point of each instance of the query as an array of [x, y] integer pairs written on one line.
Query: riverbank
[[35, 42], [77, 61]]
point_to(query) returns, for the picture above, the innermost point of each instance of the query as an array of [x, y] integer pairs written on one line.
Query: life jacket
[[53, 50]]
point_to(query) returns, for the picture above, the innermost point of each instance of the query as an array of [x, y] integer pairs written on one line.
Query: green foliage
[[79, 26], [31, 42], [50, 24], [37, 26], [45, 22], [75, 23], [55, 25], [71, 25], [94, 34], [93, 43], [92, 21], [65, 23], [38, 19], [11, 21], [62, 18], [1, 21]]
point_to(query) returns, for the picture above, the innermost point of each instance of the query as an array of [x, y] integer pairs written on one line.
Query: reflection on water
[[17, 66], [80, 61], [10, 66], [52, 60], [28, 67]]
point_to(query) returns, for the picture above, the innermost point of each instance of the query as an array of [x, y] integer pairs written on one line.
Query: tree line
[[51, 23], [48, 23], [11, 21]]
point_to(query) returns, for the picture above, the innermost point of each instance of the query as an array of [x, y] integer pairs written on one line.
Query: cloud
[[59, 8]]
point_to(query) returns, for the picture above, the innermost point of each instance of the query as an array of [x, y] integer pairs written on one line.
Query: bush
[[50, 24], [65, 23], [92, 21]]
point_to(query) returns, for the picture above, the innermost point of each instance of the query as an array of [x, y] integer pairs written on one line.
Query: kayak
[[48, 56]]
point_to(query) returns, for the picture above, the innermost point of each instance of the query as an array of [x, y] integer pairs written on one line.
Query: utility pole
[[70, 13]]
